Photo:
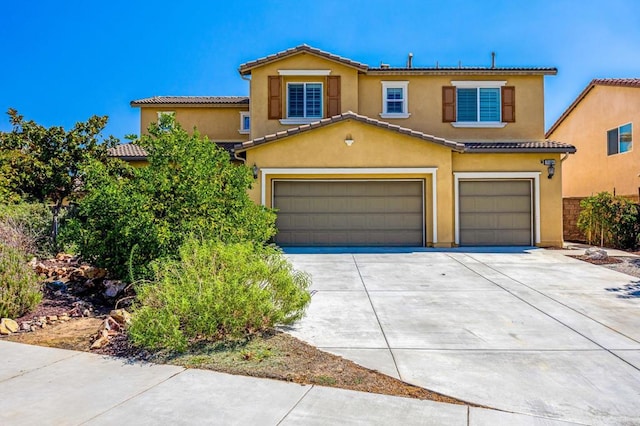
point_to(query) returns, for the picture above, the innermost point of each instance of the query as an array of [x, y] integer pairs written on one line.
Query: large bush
[[27, 227], [217, 291], [190, 186], [19, 284], [610, 220]]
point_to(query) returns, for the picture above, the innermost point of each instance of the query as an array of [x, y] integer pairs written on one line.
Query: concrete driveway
[[531, 332]]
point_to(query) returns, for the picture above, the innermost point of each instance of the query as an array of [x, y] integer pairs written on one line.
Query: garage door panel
[[349, 213], [495, 212]]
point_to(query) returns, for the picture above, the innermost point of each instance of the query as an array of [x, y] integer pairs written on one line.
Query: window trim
[[618, 145], [404, 85], [479, 84], [243, 130], [304, 120]]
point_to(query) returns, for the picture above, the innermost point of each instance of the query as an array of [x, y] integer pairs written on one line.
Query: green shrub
[[19, 285], [216, 291], [27, 227], [610, 220], [190, 186]]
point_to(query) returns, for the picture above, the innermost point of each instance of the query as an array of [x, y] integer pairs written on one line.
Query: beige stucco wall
[[260, 124], [374, 147], [590, 170], [218, 123], [425, 106]]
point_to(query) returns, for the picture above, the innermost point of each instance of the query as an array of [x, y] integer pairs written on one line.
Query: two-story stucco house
[[354, 155], [600, 122]]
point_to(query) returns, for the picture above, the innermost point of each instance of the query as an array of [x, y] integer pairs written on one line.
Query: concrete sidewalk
[[44, 386], [529, 331]]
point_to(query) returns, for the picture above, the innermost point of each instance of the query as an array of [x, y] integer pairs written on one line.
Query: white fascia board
[[477, 83], [304, 72]]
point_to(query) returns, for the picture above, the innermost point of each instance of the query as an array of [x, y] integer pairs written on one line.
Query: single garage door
[[349, 213], [495, 213]]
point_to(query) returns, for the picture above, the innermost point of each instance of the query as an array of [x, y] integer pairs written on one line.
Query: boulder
[[10, 325], [112, 288], [596, 253], [121, 316]]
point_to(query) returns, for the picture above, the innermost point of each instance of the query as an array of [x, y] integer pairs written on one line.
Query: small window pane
[[394, 107], [490, 104], [394, 93], [245, 122], [296, 100], [467, 105], [625, 138], [612, 142], [314, 100]]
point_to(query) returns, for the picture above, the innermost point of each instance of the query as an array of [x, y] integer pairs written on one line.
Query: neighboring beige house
[[352, 155], [602, 123]]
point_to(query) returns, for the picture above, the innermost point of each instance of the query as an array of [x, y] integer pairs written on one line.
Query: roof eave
[[521, 151], [460, 71], [189, 104]]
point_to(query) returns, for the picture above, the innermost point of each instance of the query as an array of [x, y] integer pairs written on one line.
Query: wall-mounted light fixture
[[551, 167], [348, 139], [254, 169]]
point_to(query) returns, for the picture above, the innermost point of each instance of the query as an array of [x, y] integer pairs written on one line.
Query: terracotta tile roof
[[507, 147], [620, 82], [193, 100], [246, 68], [456, 146], [466, 70], [128, 151]]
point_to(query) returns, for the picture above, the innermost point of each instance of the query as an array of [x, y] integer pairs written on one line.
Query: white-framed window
[[620, 139], [304, 102], [478, 103], [165, 119], [245, 122], [395, 99]]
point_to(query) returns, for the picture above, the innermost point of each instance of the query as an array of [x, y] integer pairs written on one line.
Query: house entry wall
[[349, 212]]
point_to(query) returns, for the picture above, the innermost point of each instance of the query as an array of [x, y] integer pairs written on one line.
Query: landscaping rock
[[596, 253], [121, 316], [9, 325], [112, 288], [4, 331]]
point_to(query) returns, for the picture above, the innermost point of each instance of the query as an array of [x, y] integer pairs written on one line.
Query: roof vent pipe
[[410, 60], [493, 60]]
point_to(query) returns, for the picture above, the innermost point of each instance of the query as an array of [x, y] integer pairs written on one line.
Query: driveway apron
[[533, 332]]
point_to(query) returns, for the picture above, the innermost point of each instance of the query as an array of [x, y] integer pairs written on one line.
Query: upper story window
[[619, 140], [478, 104], [395, 102], [166, 119], [245, 122], [304, 100]]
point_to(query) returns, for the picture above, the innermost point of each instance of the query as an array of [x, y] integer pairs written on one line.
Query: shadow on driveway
[[384, 250]]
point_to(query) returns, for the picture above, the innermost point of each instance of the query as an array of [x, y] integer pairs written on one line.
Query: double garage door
[[391, 213], [349, 213]]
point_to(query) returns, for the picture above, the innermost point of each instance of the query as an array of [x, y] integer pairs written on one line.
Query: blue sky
[[66, 60]]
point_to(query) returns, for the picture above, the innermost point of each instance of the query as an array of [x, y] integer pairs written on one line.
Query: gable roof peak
[[349, 115], [619, 82], [246, 68]]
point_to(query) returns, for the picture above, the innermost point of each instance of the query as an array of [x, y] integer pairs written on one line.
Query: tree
[[43, 164], [190, 187]]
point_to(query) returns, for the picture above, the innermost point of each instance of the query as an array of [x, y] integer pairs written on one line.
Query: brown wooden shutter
[[448, 104], [333, 96], [275, 97], [508, 104]]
